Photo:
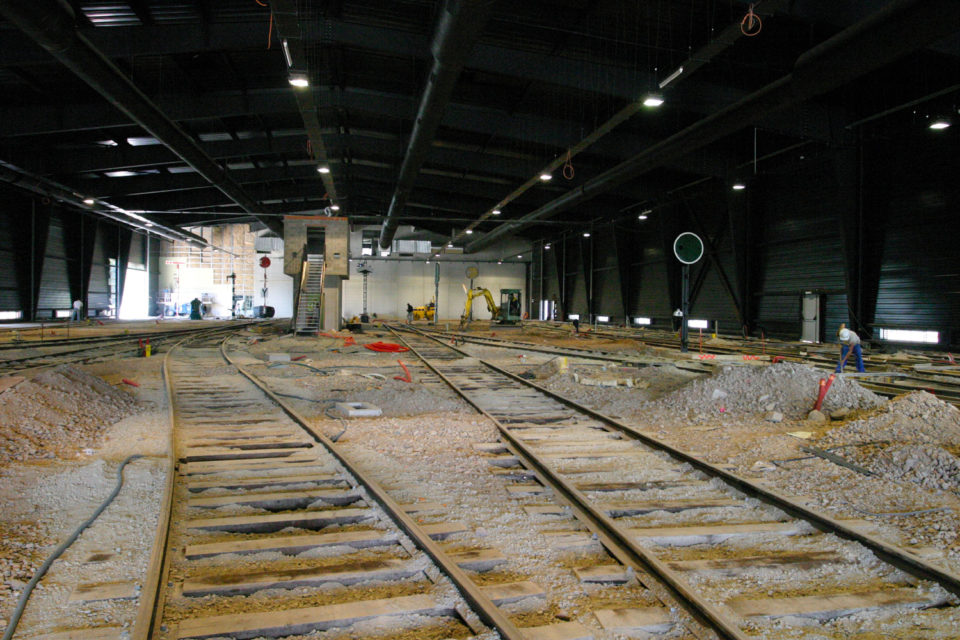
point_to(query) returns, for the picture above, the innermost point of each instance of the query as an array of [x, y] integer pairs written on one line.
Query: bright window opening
[[64, 313], [698, 324], [909, 335], [603, 318], [573, 316], [11, 315], [639, 320]]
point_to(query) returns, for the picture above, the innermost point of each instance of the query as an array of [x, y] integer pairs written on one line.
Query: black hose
[[42, 571]]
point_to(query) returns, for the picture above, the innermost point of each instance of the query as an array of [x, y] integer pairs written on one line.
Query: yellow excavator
[[507, 313]]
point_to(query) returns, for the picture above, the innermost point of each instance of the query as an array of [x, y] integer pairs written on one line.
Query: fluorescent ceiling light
[[286, 53], [323, 169], [546, 247], [546, 177], [652, 101], [939, 124], [89, 202], [469, 231], [519, 256], [670, 78], [334, 207], [450, 246], [495, 212], [586, 234], [739, 186]]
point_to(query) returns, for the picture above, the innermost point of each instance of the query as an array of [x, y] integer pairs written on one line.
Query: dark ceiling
[[541, 78]]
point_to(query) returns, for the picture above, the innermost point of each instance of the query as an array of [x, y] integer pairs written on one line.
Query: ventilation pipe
[[460, 26], [51, 26], [899, 28]]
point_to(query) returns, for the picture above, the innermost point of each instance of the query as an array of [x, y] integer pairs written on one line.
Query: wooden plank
[[346, 573], [265, 523], [648, 619], [635, 486], [545, 510], [210, 455], [423, 507], [526, 489], [622, 509], [100, 633], [738, 565], [569, 539], [260, 483], [604, 574], [296, 460], [512, 591], [9, 382], [441, 530], [104, 591], [276, 624], [478, 559], [712, 534], [559, 631], [277, 500], [825, 607], [290, 545]]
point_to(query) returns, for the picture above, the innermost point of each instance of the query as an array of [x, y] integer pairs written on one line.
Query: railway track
[[748, 561], [273, 532], [98, 348]]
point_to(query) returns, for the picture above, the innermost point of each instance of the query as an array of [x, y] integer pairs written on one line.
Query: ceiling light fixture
[[323, 169], [469, 231], [586, 234], [519, 256], [450, 246], [499, 261], [653, 101], [739, 186], [546, 177], [670, 78], [334, 207], [286, 53], [939, 124], [546, 247], [495, 212], [89, 202], [299, 80]]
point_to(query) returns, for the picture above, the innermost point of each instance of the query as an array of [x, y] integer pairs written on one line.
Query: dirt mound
[[787, 387], [57, 413]]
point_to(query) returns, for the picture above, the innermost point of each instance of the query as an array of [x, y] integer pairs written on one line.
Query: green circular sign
[[688, 247]]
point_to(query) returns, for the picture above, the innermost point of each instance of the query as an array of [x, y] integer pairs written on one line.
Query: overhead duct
[[899, 28], [54, 29], [459, 28]]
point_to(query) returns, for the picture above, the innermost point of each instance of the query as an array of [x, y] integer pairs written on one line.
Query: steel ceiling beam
[[461, 23], [46, 22], [899, 28]]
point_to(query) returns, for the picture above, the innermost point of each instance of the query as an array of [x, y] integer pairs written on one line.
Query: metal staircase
[[310, 298]]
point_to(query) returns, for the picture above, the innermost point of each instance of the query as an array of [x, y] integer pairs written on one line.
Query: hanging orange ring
[[751, 23]]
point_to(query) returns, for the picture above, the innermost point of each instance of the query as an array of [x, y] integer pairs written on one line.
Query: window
[[642, 321], [698, 324], [368, 241], [11, 315], [61, 313], [603, 318], [573, 316], [910, 335]]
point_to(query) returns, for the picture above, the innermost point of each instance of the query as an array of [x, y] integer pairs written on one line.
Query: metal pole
[[436, 292], [540, 313], [32, 313], [685, 308]]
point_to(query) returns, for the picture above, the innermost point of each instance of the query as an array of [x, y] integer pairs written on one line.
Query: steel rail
[[483, 606], [900, 558]]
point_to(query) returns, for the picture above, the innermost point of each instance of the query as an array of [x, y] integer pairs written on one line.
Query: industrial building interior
[[449, 319]]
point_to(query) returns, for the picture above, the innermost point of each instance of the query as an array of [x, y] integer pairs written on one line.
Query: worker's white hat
[[844, 335]]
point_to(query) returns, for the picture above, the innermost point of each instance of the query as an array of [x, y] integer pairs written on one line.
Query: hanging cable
[[270, 31], [751, 23], [568, 171]]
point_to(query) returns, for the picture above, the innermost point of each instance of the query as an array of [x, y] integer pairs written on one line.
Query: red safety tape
[[408, 378], [297, 358], [386, 347], [748, 357], [707, 356], [129, 382]]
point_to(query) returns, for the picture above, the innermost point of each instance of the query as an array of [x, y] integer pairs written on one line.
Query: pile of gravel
[[917, 418], [786, 387], [57, 413], [929, 466]]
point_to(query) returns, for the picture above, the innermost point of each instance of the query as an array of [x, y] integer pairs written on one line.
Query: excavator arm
[[474, 293]]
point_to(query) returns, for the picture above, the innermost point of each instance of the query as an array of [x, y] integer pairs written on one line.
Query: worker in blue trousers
[[849, 343]]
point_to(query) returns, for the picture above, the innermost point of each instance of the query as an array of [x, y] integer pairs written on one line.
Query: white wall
[[394, 283]]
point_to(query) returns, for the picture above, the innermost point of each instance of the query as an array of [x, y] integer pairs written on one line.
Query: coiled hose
[[42, 571]]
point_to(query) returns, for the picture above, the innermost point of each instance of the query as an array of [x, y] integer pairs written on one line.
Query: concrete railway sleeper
[[702, 530], [281, 536]]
